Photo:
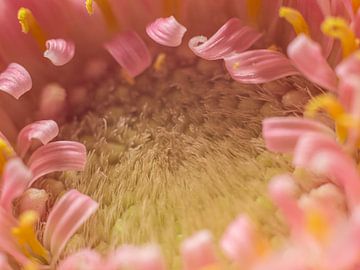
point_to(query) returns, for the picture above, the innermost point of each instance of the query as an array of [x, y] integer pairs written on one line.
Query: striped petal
[[57, 156], [307, 57], [15, 80], [232, 37], [44, 131], [281, 134], [166, 31], [16, 178], [259, 66], [130, 51], [68, 214], [59, 51]]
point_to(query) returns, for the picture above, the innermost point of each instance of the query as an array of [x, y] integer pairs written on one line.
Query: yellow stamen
[[26, 237], [253, 9], [30, 25], [171, 7], [295, 18], [338, 28], [317, 225], [106, 10], [159, 64], [355, 5], [5, 153]]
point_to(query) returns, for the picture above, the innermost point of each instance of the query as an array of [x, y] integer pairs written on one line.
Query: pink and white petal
[[232, 37], [4, 264], [324, 156], [137, 258], [16, 179], [282, 189], [257, 66], [44, 131], [68, 214], [166, 31], [59, 51], [238, 241], [307, 57], [130, 51], [198, 251], [15, 80], [57, 156], [281, 134], [82, 260]]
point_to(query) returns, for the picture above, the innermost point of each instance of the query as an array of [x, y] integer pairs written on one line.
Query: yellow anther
[[30, 25], [253, 9], [338, 28], [171, 7], [317, 225], [295, 18], [26, 237], [106, 11], [159, 64], [5, 153]]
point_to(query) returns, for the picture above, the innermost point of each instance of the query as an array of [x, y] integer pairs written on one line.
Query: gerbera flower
[[169, 98]]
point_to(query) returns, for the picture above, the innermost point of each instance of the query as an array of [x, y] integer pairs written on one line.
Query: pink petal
[[307, 57], [15, 80], [59, 51], [4, 264], [57, 156], [130, 51], [166, 31], [282, 133], [349, 94], [282, 190], [198, 252], [16, 179], [84, 259], [238, 241], [324, 156], [259, 66], [137, 258], [68, 214], [44, 131], [350, 66], [232, 37]]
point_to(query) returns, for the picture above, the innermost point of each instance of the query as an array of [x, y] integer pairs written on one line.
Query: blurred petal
[[16, 178], [307, 57], [57, 156], [52, 102], [4, 264], [82, 260], [281, 134], [350, 66], [198, 252], [166, 31], [15, 80], [44, 131], [259, 66], [59, 51], [232, 37], [68, 214], [130, 51]]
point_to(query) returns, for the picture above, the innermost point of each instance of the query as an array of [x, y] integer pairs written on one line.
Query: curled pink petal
[[44, 131], [68, 214], [198, 252], [239, 240], [15, 80], [258, 66], [83, 259], [307, 57], [232, 37], [166, 31], [282, 190], [137, 258], [16, 179], [59, 51], [57, 156], [282, 133], [130, 51], [324, 156]]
